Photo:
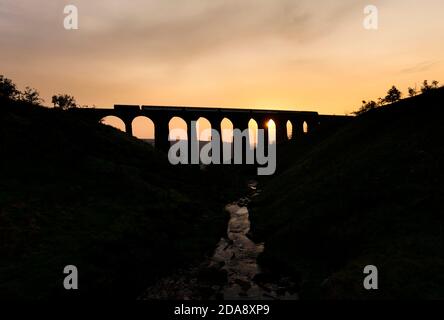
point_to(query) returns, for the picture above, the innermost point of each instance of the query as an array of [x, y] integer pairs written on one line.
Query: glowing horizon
[[256, 54]]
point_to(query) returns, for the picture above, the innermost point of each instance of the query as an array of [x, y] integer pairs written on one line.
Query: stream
[[232, 273]]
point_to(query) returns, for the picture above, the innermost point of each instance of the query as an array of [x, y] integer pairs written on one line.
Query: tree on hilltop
[[393, 95], [426, 87], [64, 101], [32, 96], [8, 89], [366, 107]]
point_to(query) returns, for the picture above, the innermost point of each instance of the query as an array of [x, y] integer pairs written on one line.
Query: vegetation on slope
[[371, 194], [84, 194]]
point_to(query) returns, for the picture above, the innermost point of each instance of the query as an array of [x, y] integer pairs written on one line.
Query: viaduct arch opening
[[289, 130], [271, 128], [178, 129], [227, 131], [203, 127], [253, 131], [305, 127], [144, 129], [114, 122]]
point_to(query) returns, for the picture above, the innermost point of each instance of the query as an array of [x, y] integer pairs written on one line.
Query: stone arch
[[227, 128], [305, 127], [144, 129], [289, 130], [114, 122], [271, 128], [178, 129], [253, 129], [203, 128]]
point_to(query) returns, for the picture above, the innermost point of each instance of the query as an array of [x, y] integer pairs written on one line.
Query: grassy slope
[[85, 194], [370, 194]]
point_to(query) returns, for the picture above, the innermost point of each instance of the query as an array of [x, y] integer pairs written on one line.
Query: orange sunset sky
[[283, 54]]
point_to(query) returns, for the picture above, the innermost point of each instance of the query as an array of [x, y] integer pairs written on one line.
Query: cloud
[[420, 67], [217, 52], [167, 31]]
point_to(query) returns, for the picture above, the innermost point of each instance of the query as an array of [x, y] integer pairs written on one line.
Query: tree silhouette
[[412, 92], [381, 102], [426, 87], [64, 101], [8, 89], [366, 107], [393, 95], [32, 96]]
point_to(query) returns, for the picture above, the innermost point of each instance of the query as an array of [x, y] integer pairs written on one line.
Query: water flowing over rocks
[[232, 273]]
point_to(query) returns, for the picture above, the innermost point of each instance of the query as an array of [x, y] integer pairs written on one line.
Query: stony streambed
[[232, 273]]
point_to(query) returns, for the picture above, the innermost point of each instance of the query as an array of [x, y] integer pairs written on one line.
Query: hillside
[[370, 194], [84, 194]]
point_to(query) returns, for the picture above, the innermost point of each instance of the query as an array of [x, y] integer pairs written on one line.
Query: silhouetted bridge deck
[[240, 118]]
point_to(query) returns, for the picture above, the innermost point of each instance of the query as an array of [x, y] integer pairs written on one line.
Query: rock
[[243, 294], [213, 276], [245, 285], [265, 277]]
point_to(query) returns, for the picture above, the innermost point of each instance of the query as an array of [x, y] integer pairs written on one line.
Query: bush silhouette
[[64, 101], [426, 87], [412, 92], [366, 106], [393, 95], [8, 89], [32, 96]]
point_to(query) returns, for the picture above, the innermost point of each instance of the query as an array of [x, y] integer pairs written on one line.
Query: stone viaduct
[[161, 117]]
